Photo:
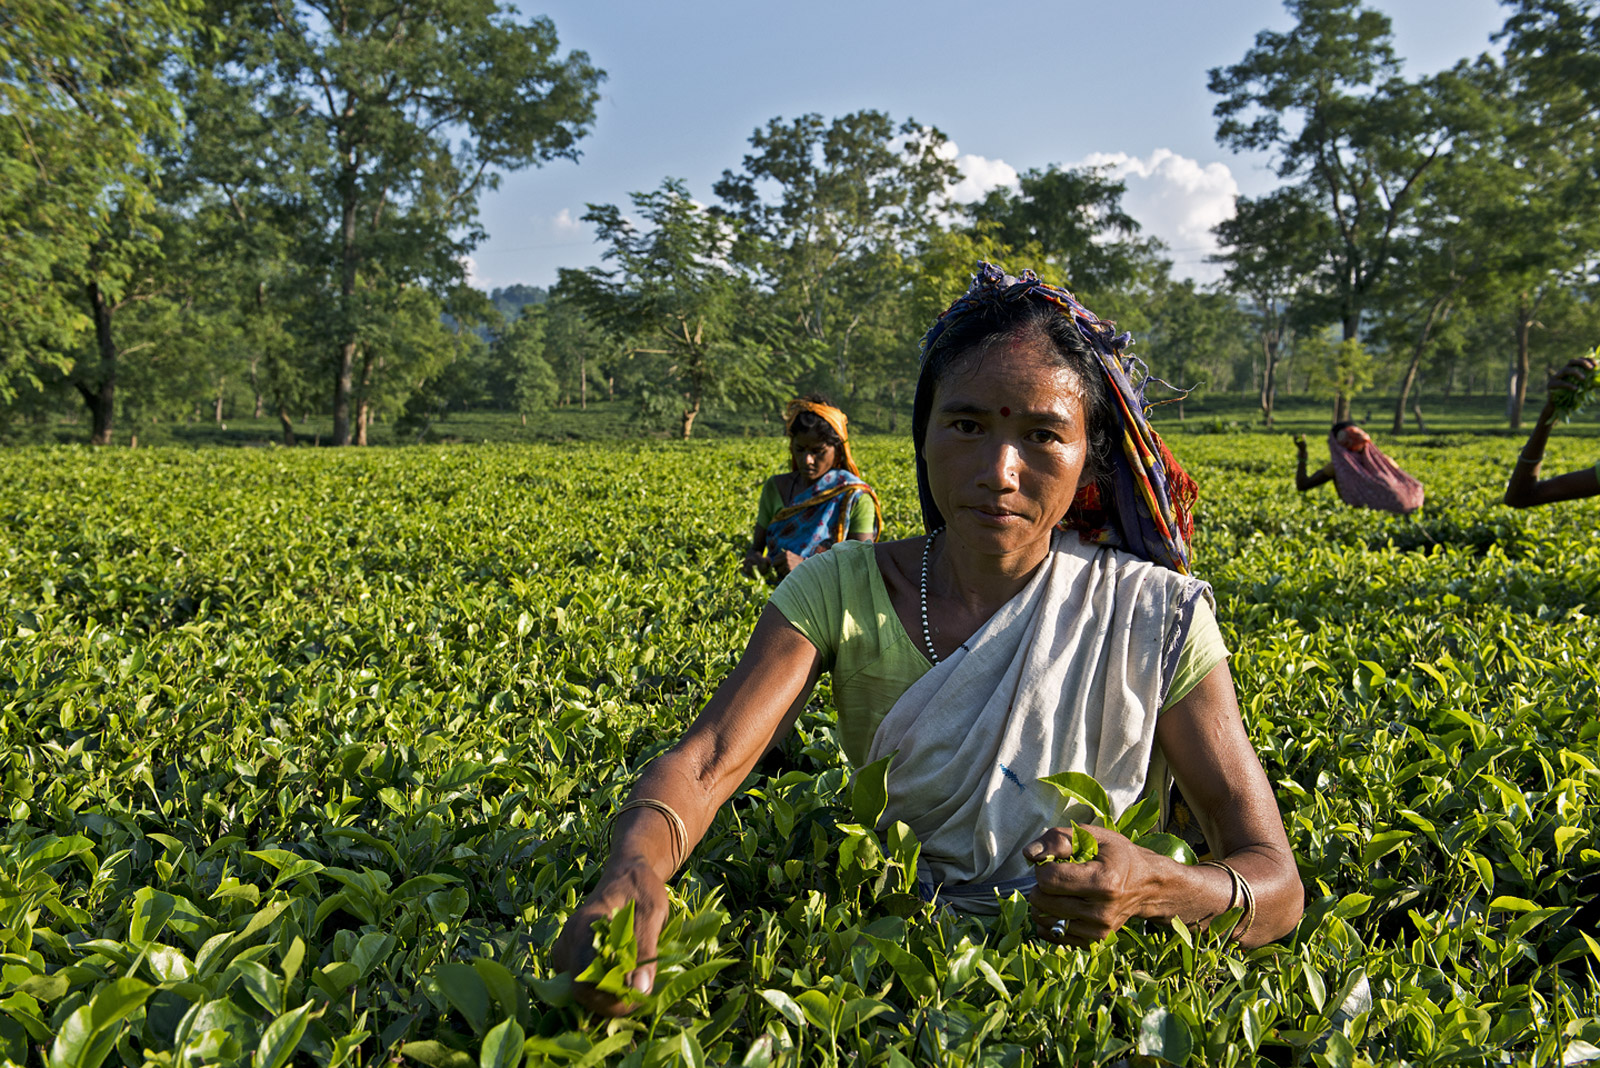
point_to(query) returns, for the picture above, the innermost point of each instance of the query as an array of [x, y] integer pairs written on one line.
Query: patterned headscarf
[[1151, 511], [830, 415]]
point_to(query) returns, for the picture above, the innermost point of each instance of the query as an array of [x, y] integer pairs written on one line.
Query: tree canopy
[[210, 205]]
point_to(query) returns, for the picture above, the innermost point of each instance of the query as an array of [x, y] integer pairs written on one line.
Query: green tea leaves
[[1077, 787], [306, 762]]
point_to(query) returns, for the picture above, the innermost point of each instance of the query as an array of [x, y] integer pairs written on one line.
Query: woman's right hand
[[621, 883], [1570, 377]]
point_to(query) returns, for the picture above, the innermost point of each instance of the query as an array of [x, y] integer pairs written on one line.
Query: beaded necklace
[[927, 635]]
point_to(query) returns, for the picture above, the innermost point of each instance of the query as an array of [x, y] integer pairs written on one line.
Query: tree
[[518, 351], [391, 119], [1190, 336], [575, 348], [1272, 247], [830, 211], [1343, 368], [1455, 246], [1075, 217], [84, 92], [1327, 99], [1552, 57], [676, 289], [941, 271]]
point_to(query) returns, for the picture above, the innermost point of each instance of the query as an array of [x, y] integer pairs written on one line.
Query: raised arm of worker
[[1525, 488], [1303, 481], [755, 705], [1220, 775]]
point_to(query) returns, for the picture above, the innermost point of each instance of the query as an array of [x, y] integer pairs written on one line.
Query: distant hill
[[512, 299]]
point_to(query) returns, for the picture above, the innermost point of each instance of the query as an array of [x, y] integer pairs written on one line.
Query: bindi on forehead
[[1005, 412]]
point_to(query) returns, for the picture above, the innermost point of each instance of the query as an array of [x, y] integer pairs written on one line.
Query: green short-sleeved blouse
[[839, 602]]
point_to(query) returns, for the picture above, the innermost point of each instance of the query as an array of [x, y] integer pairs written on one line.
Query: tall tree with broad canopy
[[1481, 219], [392, 118], [1327, 100], [830, 211], [676, 289], [83, 92], [1272, 248], [1552, 57]]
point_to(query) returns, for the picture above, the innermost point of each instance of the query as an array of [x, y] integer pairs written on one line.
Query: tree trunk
[[1269, 376], [1406, 381], [688, 418], [583, 385], [255, 383], [1410, 377], [102, 399], [1517, 394], [1341, 407], [344, 371], [343, 380], [364, 403], [1416, 410], [216, 409], [288, 425]]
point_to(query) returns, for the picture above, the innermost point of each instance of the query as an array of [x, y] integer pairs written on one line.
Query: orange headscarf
[[830, 415], [1353, 438]]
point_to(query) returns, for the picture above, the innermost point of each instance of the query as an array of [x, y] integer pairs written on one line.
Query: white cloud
[[474, 278], [564, 225], [979, 174], [1177, 199]]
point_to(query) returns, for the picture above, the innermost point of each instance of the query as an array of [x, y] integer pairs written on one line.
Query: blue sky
[[1070, 82]]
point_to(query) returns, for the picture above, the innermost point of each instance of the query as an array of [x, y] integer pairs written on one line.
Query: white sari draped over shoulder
[[1069, 675]]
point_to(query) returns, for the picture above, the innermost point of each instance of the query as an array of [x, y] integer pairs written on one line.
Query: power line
[[528, 248]]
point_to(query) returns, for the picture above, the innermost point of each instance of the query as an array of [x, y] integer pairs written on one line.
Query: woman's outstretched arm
[[1525, 488], [755, 705], [1220, 775], [1303, 481]]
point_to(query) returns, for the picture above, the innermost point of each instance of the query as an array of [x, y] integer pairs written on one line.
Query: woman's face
[[1007, 446], [812, 456]]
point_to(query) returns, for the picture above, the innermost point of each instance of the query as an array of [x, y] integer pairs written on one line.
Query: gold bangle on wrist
[[680, 833], [1240, 893]]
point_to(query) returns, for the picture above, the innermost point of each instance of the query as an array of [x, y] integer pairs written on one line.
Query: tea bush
[[309, 754]]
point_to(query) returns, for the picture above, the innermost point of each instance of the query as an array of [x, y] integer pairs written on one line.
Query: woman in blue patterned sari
[[820, 501]]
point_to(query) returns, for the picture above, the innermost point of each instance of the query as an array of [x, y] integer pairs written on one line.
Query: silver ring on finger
[[1058, 930]]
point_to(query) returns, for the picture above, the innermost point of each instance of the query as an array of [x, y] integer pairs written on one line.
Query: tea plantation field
[[308, 754]]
